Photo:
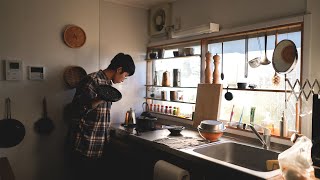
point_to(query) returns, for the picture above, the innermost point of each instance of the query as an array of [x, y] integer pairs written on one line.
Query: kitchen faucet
[[265, 140]]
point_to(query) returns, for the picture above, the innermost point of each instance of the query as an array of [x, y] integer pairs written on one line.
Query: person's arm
[[86, 97]]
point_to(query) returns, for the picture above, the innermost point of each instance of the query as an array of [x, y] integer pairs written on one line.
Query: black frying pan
[[44, 125], [12, 131], [109, 93]]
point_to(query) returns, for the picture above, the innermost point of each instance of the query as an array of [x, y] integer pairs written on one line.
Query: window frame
[[205, 41]]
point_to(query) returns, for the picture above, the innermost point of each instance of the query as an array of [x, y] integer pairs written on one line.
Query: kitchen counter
[[147, 140]]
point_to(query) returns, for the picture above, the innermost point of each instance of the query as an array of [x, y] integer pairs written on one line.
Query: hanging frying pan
[[44, 125], [12, 131], [285, 56]]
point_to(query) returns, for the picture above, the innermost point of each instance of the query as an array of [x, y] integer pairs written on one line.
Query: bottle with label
[[284, 125], [155, 79]]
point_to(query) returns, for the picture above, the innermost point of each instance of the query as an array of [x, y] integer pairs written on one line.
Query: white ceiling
[[145, 4]]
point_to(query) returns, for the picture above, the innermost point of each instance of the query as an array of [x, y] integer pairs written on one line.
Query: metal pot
[[146, 123]]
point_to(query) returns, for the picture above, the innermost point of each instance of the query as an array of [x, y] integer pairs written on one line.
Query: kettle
[[130, 118]]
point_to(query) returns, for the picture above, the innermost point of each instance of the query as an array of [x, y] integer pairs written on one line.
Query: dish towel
[[164, 170]]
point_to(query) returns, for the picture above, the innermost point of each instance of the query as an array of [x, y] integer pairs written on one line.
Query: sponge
[[272, 165]]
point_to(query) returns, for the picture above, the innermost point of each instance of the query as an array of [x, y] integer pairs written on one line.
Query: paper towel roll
[[167, 171]]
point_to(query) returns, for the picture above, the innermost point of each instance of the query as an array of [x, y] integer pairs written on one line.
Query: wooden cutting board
[[207, 103]]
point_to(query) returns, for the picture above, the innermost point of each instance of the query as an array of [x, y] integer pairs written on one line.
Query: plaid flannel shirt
[[91, 126]]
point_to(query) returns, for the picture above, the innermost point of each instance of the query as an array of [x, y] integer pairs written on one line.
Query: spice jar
[[170, 110], [166, 110]]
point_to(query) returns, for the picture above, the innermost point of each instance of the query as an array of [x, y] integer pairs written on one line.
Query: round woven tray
[[73, 75]]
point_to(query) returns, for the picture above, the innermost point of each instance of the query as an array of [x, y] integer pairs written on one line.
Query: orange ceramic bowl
[[210, 136]]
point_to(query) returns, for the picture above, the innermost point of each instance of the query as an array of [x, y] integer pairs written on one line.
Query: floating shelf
[[180, 57], [170, 86], [169, 100], [185, 118], [261, 90]]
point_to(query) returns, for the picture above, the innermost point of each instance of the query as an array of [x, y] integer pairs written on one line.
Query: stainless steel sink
[[250, 157]]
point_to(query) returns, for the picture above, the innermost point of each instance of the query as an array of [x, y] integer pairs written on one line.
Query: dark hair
[[123, 60]]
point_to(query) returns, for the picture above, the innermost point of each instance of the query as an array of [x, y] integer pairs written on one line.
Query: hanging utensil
[[255, 62], [246, 59], [285, 57], [276, 78], [228, 95], [222, 75], [44, 125], [265, 60], [12, 131]]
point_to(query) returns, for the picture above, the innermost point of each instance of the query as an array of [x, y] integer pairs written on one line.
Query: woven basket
[[73, 75]]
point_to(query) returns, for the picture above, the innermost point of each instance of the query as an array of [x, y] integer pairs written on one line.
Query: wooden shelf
[[180, 57], [180, 117], [169, 86], [260, 90], [169, 100]]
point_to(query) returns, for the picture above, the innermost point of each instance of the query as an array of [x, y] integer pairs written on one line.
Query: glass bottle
[[162, 110], [166, 110], [155, 79]]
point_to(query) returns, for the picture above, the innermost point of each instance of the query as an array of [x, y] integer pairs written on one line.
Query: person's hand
[[96, 102]]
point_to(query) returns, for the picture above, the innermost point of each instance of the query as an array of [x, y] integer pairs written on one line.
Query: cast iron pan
[[109, 93], [12, 131], [44, 125]]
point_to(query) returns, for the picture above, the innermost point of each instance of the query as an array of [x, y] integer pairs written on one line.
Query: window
[[268, 105], [236, 50]]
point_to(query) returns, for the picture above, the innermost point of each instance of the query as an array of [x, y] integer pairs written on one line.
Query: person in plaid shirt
[[91, 117]]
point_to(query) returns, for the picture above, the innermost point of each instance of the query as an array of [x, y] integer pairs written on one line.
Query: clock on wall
[[74, 36]]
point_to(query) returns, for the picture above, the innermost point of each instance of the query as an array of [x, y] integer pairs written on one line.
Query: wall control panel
[[13, 70], [36, 72]]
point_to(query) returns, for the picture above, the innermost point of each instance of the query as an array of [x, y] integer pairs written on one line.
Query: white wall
[[233, 13], [124, 29], [32, 31]]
